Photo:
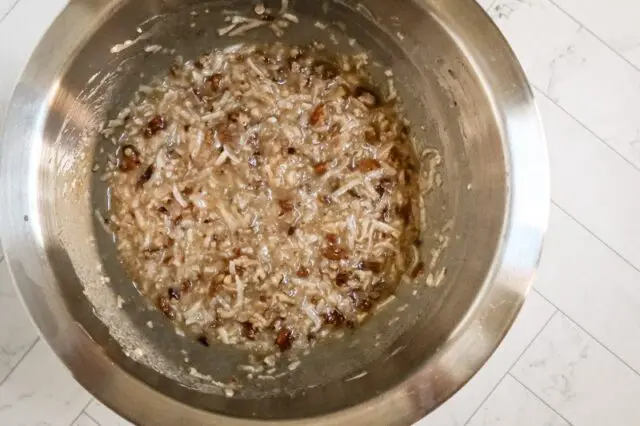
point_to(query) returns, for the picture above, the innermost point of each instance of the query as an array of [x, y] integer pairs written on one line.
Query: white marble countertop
[[573, 356]]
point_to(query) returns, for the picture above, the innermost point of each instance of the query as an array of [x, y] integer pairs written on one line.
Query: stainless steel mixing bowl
[[465, 94]]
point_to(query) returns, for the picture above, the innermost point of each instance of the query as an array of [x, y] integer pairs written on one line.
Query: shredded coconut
[[262, 196]]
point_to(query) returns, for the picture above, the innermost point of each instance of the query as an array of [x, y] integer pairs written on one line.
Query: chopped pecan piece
[[285, 339], [285, 206], [317, 115], [146, 176], [215, 82], [303, 272], [165, 307], [321, 168], [130, 158], [342, 278], [335, 253], [368, 164], [334, 317], [156, 124]]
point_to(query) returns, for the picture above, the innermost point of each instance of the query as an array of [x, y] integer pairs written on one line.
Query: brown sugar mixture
[[264, 195]]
